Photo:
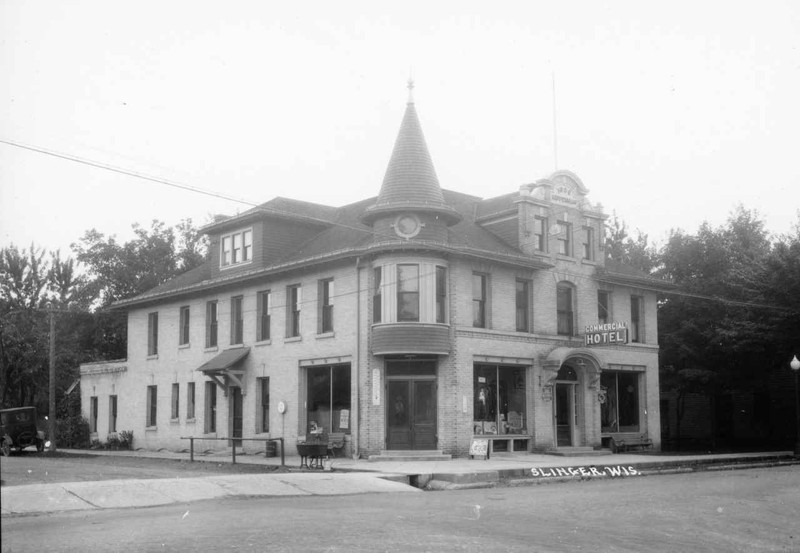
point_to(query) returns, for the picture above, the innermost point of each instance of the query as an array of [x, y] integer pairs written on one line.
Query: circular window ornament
[[407, 226]]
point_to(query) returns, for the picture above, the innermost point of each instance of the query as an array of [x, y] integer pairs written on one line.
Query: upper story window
[[564, 310], [603, 313], [183, 331], [211, 324], [236, 248], [523, 305], [377, 294], [237, 321], [637, 309], [264, 316], [564, 238], [588, 243], [441, 294], [408, 292], [540, 233], [293, 300], [479, 297], [325, 306], [152, 333]]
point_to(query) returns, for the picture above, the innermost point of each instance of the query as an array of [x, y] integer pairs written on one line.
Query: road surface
[[745, 510]]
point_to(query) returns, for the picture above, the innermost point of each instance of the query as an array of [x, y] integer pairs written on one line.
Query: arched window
[[565, 298]]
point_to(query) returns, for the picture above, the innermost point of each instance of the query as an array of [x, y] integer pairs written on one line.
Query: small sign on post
[[479, 447]]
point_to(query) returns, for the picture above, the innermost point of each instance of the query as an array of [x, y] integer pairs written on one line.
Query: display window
[[499, 399], [329, 398], [620, 401]]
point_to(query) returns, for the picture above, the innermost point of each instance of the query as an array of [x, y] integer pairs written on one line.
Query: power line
[[181, 186], [372, 232]]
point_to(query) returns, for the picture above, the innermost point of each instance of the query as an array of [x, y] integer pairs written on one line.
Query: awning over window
[[226, 369]]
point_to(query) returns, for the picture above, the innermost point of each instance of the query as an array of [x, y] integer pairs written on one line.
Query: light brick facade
[[420, 344]]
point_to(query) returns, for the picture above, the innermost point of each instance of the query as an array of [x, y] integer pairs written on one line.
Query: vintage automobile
[[18, 430]]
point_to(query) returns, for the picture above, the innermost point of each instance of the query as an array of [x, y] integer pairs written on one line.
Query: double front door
[[411, 413]]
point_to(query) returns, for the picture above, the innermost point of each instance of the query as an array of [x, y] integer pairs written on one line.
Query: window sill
[[236, 346], [175, 421], [324, 335], [184, 346], [292, 339], [191, 420], [211, 348], [152, 357], [562, 257], [151, 428], [263, 343], [592, 262], [235, 265]]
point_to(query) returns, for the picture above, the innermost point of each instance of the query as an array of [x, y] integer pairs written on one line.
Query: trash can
[[272, 449]]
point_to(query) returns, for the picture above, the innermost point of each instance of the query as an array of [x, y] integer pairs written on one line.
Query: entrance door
[[236, 415], [564, 408], [411, 414]]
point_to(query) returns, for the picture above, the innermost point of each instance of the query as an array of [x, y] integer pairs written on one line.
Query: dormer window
[[236, 248]]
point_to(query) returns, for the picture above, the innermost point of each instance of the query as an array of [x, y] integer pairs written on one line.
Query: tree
[[23, 334], [118, 271], [622, 247], [715, 334]]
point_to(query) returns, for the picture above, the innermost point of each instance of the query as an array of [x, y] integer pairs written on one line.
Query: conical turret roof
[[410, 182]]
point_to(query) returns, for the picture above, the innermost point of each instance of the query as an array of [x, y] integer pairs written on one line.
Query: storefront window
[[329, 398], [620, 401], [499, 401]]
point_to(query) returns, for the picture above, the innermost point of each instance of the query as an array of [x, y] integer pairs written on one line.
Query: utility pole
[[51, 419]]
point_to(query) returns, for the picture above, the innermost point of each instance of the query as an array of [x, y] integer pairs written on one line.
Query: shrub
[[72, 432], [126, 439]]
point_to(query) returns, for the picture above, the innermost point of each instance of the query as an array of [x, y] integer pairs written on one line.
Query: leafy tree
[[120, 271], [23, 338], [30, 286], [716, 333], [624, 248]]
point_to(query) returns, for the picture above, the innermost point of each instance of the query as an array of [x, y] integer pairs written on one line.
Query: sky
[[671, 113]]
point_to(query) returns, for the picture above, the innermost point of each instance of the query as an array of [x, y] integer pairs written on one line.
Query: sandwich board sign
[[479, 447]]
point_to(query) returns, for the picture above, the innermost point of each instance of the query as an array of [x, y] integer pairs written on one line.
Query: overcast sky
[[671, 113]]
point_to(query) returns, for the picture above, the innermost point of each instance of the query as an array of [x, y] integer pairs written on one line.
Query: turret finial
[[410, 90]]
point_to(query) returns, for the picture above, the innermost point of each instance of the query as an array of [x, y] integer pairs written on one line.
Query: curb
[[518, 478]]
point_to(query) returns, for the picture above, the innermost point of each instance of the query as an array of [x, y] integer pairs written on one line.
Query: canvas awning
[[226, 368]]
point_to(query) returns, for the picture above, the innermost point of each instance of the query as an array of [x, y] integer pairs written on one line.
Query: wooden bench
[[624, 443], [509, 440]]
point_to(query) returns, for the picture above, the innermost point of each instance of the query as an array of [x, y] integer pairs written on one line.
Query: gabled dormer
[[557, 220], [264, 235], [550, 218]]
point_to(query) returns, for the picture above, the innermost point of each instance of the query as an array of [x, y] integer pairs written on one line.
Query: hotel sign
[[606, 334]]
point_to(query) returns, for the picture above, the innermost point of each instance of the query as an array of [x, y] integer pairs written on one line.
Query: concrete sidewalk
[[343, 476]]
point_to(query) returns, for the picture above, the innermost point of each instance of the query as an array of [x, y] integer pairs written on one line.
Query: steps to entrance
[[582, 451], [410, 455]]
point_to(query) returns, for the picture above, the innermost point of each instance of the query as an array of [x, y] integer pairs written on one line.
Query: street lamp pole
[[51, 420], [795, 365]]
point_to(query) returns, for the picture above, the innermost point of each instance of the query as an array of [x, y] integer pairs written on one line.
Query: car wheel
[[6, 449], [40, 446]]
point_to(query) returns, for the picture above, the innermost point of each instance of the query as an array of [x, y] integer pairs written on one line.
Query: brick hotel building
[[413, 321]]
